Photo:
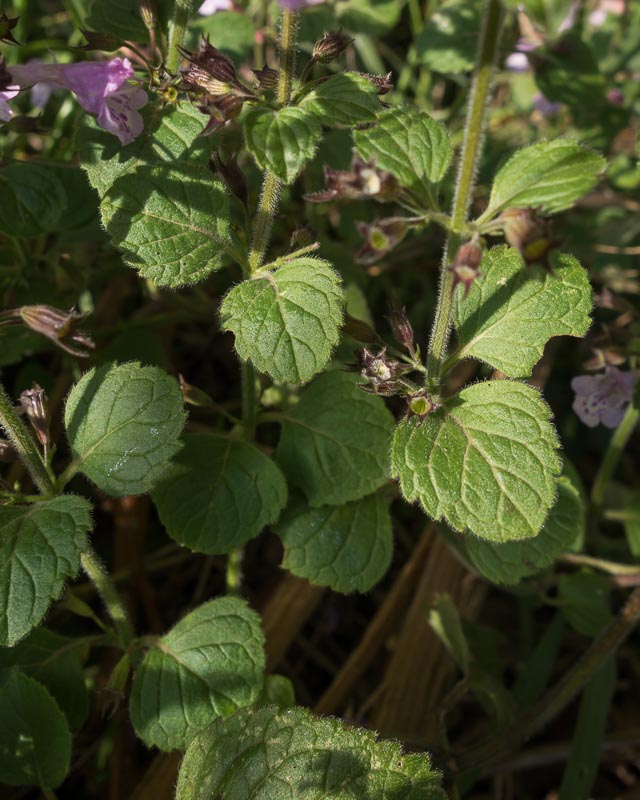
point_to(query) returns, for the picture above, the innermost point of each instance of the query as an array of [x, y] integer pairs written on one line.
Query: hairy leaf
[[268, 754], [509, 562], [54, 661], [123, 422], [35, 742], [410, 145], [282, 141], [347, 547], [219, 493], [449, 38], [344, 100], [511, 311], [286, 320], [207, 666], [40, 547], [550, 176], [335, 441], [486, 462]]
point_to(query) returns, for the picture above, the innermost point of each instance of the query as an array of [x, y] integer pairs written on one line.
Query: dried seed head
[[211, 72], [331, 46], [58, 326], [267, 78], [34, 405]]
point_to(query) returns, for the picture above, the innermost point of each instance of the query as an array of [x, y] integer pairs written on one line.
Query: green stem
[[471, 149], [477, 761], [180, 21], [234, 571], [271, 185], [612, 457], [101, 579], [24, 444]]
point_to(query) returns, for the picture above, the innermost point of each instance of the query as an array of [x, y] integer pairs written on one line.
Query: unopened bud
[[303, 236], [267, 78], [210, 71], [34, 404], [147, 10], [465, 266], [401, 329], [359, 330], [6, 27], [58, 326], [194, 396], [232, 176], [331, 46]]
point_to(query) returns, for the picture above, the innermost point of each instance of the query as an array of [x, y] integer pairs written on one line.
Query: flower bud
[[58, 326], [303, 236], [267, 78], [359, 330], [331, 46], [6, 27], [401, 329], [232, 176], [221, 110], [465, 266], [147, 10], [211, 72], [34, 405]]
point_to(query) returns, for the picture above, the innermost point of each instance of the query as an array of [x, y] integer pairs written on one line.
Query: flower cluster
[[103, 88]]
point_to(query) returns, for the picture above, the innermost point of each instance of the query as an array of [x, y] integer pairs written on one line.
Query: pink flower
[[102, 88], [213, 6], [603, 398], [6, 112], [298, 5]]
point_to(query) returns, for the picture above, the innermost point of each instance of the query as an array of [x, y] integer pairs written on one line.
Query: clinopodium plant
[[257, 211]]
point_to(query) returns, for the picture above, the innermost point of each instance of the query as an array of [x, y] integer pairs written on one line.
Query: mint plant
[[182, 187]]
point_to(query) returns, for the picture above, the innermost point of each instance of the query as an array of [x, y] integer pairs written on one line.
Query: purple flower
[[546, 107], [602, 398], [298, 5], [102, 88], [6, 112]]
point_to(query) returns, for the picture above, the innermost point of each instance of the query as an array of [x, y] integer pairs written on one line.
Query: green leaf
[[282, 141], [374, 17], [585, 599], [207, 666], [344, 100], [32, 200], [445, 620], [485, 462], [35, 742], [410, 145], [54, 661], [118, 17], [268, 754], [335, 441], [170, 225], [449, 39], [550, 176], [123, 422], [161, 204], [536, 672], [286, 319], [170, 135], [278, 691], [512, 310], [229, 31], [586, 745], [219, 493], [347, 547], [40, 547], [509, 562], [566, 71]]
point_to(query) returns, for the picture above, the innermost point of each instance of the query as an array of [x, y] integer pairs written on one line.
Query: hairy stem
[[477, 760], [24, 444], [178, 31], [98, 575], [617, 445], [271, 185], [471, 150]]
